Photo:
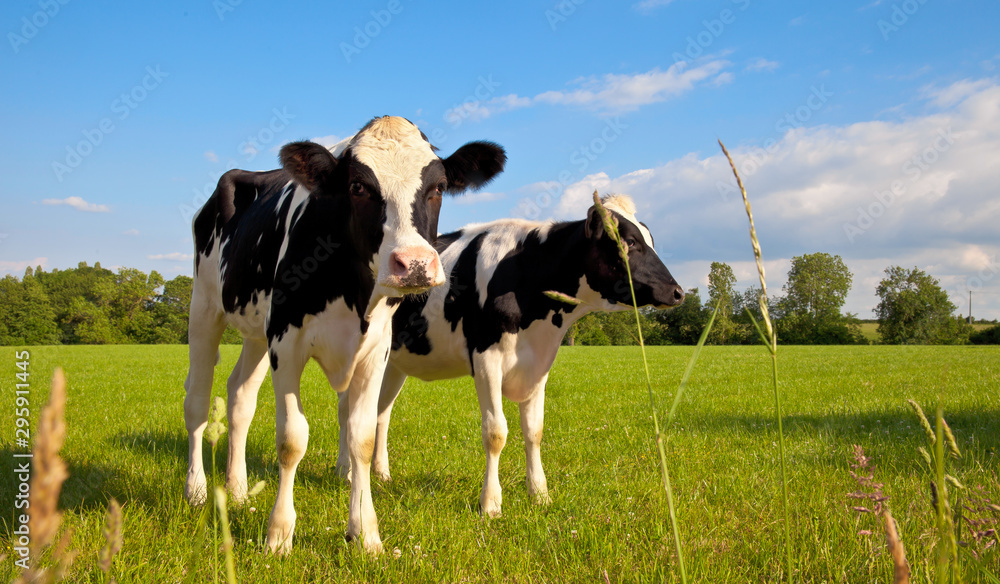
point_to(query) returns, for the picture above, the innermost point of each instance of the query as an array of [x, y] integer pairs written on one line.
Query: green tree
[[682, 325], [720, 292], [986, 336], [914, 309], [170, 312], [817, 286], [816, 290], [26, 315], [92, 284], [749, 302]]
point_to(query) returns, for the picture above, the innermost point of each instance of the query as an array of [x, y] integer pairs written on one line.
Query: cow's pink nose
[[414, 267]]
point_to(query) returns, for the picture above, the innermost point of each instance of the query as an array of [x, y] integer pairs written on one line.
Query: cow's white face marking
[[624, 206], [394, 149]]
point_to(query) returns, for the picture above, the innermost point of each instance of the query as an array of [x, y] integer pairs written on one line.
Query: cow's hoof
[[542, 499], [196, 492], [490, 509], [344, 472], [279, 541], [237, 493], [383, 475], [372, 545]]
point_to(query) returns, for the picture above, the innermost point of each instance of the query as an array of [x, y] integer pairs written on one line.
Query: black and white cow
[[493, 320], [309, 261]]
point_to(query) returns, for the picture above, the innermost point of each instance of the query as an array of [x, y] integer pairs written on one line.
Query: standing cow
[[309, 261], [493, 320]]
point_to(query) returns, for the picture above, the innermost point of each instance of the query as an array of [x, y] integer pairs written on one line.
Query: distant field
[[127, 440]]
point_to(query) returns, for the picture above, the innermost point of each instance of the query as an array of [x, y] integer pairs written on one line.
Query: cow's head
[[393, 183], [605, 270]]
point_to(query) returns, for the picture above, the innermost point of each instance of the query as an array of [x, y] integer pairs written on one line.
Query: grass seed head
[[48, 469], [923, 421], [562, 297], [756, 250], [112, 535], [216, 428]]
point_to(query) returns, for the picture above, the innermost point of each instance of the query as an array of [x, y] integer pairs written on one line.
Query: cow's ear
[[593, 227], [309, 163], [474, 165]]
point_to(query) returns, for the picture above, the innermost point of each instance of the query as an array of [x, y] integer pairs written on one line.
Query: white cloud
[[17, 267], [211, 156], [78, 204], [132, 232], [611, 93], [763, 64], [819, 189], [175, 256]]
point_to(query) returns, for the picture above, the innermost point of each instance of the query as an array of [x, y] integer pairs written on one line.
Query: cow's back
[[238, 235]]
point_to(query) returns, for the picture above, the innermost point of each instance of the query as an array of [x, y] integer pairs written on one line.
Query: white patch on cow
[[624, 206], [501, 237]]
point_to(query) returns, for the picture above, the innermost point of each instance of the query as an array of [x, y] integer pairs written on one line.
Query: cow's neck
[[568, 247]]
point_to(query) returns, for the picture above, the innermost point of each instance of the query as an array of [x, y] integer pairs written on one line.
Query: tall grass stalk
[[227, 536], [771, 341], [612, 229], [213, 432]]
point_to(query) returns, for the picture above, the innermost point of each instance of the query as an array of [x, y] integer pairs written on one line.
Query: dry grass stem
[[900, 567], [562, 297], [112, 536], [756, 250], [48, 471]]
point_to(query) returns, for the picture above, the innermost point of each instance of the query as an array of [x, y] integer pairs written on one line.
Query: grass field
[[126, 440]]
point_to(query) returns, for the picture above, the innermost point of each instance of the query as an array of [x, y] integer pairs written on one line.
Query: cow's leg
[[362, 403], [343, 456], [392, 383], [204, 333], [532, 421], [488, 388], [291, 439], [242, 403]]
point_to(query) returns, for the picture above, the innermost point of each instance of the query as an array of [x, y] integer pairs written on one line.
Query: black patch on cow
[[443, 241], [427, 202], [252, 238], [557, 319], [329, 250], [474, 165], [236, 192], [409, 326], [274, 360]]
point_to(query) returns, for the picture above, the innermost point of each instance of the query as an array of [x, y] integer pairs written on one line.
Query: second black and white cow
[[493, 320], [304, 261]]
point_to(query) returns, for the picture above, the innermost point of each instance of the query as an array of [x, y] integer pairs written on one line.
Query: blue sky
[[867, 129]]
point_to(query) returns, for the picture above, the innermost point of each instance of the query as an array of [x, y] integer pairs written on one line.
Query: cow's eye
[[630, 242], [441, 186], [358, 189]]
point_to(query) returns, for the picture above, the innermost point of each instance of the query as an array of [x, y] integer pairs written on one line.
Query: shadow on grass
[[896, 433]]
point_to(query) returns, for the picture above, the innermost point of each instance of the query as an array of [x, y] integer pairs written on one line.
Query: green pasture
[[608, 520]]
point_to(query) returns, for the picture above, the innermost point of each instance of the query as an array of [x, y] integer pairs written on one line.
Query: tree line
[[94, 305], [913, 308]]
